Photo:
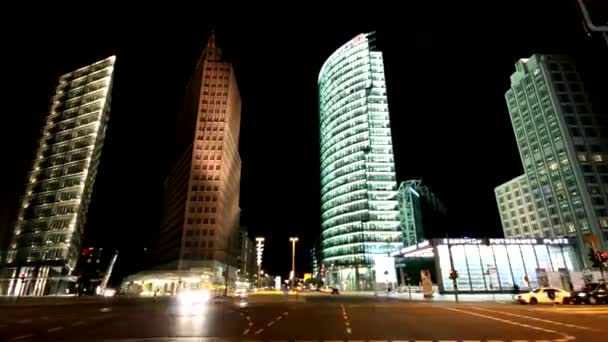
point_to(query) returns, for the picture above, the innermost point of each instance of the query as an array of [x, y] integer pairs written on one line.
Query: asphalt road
[[310, 318]]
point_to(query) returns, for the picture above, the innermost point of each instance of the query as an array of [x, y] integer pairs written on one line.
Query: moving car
[[544, 295], [593, 293]]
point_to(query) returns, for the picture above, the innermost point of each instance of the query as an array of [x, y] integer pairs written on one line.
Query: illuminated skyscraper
[[559, 113], [200, 222], [360, 218], [48, 234]]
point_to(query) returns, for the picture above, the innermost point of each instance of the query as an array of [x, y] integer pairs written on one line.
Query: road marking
[[248, 318], [539, 319], [348, 331], [279, 318], [246, 332], [22, 337], [77, 323], [511, 322], [347, 324], [270, 323], [250, 324], [23, 321], [285, 313], [258, 332], [55, 329], [105, 309]]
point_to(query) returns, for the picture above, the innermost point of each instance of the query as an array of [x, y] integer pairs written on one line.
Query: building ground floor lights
[[380, 275], [500, 265], [168, 279], [36, 281]]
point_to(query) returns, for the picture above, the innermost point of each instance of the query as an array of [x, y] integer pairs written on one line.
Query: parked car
[[593, 293], [544, 295]]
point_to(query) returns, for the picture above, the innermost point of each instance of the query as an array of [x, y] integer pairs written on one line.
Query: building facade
[[498, 265], [421, 213], [559, 114], [48, 234], [199, 233], [358, 184], [247, 262], [518, 214]]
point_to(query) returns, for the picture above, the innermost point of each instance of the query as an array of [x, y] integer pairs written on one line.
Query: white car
[[544, 295]]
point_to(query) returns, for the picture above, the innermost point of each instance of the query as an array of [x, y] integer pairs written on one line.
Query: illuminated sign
[[532, 241]]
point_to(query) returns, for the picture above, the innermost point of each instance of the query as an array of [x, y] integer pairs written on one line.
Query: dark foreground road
[[314, 318]]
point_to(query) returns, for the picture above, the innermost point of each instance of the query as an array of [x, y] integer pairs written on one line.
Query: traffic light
[[603, 256], [453, 274]]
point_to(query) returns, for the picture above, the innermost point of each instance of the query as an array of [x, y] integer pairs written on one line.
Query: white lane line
[[55, 329], [510, 322], [279, 318], [23, 321], [77, 323], [22, 337], [538, 319], [258, 332], [346, 323], [270, 323], [348, 331], [248, 318], [250, 324], [246, 332], [285, 313]]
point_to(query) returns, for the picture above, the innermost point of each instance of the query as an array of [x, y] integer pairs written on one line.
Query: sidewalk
[[498, 298]]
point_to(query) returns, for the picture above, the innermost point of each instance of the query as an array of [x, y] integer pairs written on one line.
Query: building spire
[[212, 52]]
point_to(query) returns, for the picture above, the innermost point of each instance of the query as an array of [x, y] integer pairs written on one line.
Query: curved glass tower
[[360, 217]]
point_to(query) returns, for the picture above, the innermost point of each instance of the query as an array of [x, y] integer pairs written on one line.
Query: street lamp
[[259, 250], [595, 27], [293, 256]]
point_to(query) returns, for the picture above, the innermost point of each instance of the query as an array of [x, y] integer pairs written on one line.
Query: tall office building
[[360, 222], [200, 220], [48, 234], [421, 213], [559, 113]]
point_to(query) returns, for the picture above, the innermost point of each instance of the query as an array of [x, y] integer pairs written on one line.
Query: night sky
[[447, 69]]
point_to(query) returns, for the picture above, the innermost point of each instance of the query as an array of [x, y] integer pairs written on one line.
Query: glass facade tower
[[360, 218], [559, 113], [48, 234]]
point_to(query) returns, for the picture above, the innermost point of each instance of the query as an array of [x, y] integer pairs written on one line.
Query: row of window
[[200, 232], [198, 220], [195, 244], [209, 157], [211, 147]]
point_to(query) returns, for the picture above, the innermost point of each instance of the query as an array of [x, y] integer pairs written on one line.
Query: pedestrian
[[515, 289]]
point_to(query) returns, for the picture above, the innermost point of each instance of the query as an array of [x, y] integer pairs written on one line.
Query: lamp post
[[293, 256], [259, 250], [595, 27]]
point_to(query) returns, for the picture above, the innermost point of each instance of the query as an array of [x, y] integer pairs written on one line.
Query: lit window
[[582, 156], [598, 158], [553, 166]]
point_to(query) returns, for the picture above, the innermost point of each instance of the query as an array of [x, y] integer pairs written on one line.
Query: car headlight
[[582, 294]]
